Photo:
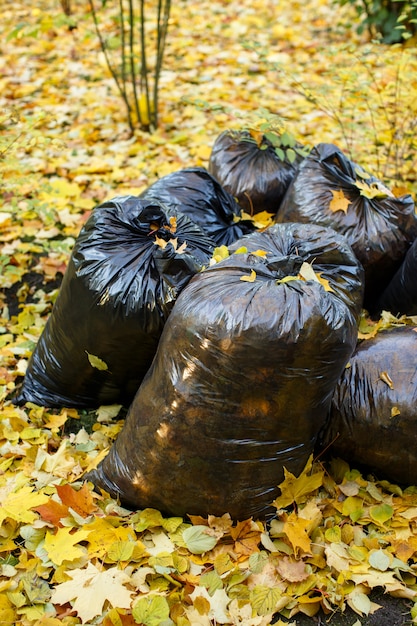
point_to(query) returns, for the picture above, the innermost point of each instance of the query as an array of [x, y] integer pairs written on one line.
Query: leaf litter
[[67, 554]]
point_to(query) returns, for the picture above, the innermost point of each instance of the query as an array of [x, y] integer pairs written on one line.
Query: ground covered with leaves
[[342, 543]]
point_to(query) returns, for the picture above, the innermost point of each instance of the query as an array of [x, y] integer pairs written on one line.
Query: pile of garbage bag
[[234, 344]]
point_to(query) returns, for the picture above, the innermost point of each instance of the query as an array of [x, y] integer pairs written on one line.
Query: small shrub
[[133, 42], [391, 21]]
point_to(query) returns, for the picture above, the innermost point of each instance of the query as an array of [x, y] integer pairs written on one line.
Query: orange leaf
[[80, 501], [246, 536], [197, 520], [339, 201], [53, 512]]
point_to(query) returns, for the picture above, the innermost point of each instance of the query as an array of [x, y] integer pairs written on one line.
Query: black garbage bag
[[254, 169], [195, 192], [242, 378], [373, 416], [400, 296], [129, 263], [331, 190]]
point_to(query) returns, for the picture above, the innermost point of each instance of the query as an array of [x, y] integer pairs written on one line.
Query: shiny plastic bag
[[242, 378], [129, 263], [195, 192], [251, 170], [400, 296], [331, 190], [373, 417]]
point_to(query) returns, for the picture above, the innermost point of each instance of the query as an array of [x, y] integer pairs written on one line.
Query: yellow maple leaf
[[339, 202], [294, 489], [103, 534], [18, 505], [262, 220], [59, 463], [373, 190], [61, 546], [296, 530], [158, 241], [261, 253]]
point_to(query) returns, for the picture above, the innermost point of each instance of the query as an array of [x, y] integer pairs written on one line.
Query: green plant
[[134, 51], [389, 20], [371, 98], [268, 130]]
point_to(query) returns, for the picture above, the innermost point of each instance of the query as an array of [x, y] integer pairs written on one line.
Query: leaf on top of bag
[[386, 378], [339, 202], [374, 190], [96, 362], [249, 279]]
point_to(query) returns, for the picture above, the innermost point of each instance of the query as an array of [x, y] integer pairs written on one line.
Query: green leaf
[[121, 551], [287, 139], [273, 138], [359, 602], [333, 534], [280, 154], [211, 581], [198, 540], [257, 562], [381, 513], [151, 610], [147, 518], [264, 599], [96, 362], [379, 560], [291, 155]]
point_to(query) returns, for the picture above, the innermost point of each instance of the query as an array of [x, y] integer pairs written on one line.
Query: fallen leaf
[[90, 589], [294, 489], [339, 202], [386, 378], [96, 362], [198, 539], [292, 570], [152, 610], [62, 545], [249, 279], [79, 500], [296, 530]]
